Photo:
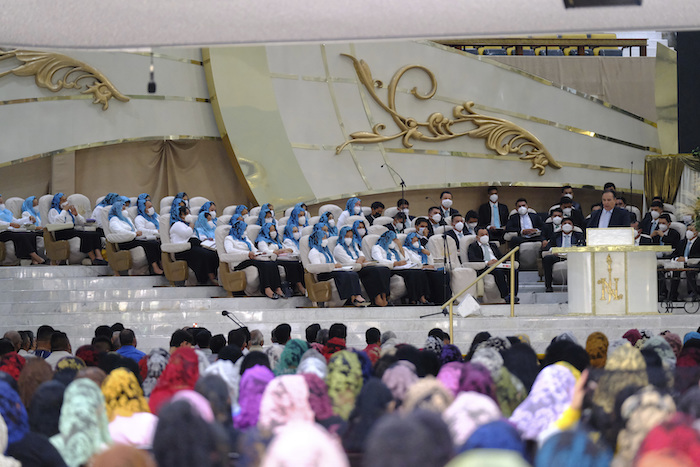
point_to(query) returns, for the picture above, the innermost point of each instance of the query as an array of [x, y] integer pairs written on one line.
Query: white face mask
[[392, 245], [567, 228], [663, 227], [447, 203], [273, 234], [654, 214], [436, 218], [556, 220], [150, 211], [405, 211], [484, 239], [302, 220], [567, 212], [272, 212], [569, 195], [362, 232], [399, 226], [357, 210], [459, 226], [296, 235], [331, 222], [422, 230], [493, 198], [324, 242], [522, 210], [472, 225], [348, 241], [689, 234], [268, 220], [211, 224], [64, 204], [212, 214], [416, 245]]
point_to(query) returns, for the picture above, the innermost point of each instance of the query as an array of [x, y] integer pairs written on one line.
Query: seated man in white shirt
[[459, 229], [564, 238], [688, 248], [488, 253], [527, 225], [60, 347]]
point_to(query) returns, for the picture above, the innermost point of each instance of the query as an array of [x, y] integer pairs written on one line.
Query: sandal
[[359, 303]]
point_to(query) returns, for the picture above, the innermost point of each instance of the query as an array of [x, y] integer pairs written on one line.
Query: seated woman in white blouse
[[203, 261], [204, 228], [359, 229], [248, 255], [352, 208], [298, 216], [125, 234], [439, 281], [389, 251], [106, 201], [269, 242], [266, 215], [375, 278], [347, 282], [240, 213], [62, 212], [146, 217], [25, 242], [328, 220]]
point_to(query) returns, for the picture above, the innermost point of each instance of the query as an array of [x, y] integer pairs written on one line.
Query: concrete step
[[110, 294], [34, 272], [83, 283]]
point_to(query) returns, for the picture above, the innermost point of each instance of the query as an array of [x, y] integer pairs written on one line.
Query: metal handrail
[[450, 302]]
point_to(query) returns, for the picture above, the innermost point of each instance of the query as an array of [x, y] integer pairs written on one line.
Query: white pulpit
[[610, 275]]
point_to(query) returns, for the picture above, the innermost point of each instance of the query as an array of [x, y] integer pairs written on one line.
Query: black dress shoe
[[515, 299], [549, 289]]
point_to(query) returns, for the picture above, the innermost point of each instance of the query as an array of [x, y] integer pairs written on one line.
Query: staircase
[[76, 299]]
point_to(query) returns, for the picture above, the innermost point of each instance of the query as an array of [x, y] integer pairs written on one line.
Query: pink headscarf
[[286, 398], [253, 384], [399, 377], [449, 376], [303, 444], [198, 403], [468, 412]]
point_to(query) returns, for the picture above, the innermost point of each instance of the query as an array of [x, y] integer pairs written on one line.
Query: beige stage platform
[[76, 299]]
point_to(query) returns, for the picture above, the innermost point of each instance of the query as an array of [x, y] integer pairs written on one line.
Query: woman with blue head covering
[[375, 278], [352, 208], [240, 213], [203, 261], [347, 282], [298, 216], [183, 196], [269, 242], [439, 281], [25, 242], [359, 228], [146, 216], [204, 226], [244, 255], [62, 212], [175, 208], [328, 221], [266, 215], [210, 207], [30, 209], [389, 252], [106, 202], [125, 236]]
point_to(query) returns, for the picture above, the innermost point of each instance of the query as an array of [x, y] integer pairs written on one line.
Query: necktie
[[687, 249], [496, 217], [487, 253], [653, 226], [567, 241]]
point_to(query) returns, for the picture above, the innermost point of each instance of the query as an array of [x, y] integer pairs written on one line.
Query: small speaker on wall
[[590, 3]]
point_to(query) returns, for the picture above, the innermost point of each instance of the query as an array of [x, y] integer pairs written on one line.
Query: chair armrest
[[355, 266], [508, 236], [175, 247], [120, 237], [320, 268], [56, 227], [475, 265], [232, 257], [693, 261], [547, 253]]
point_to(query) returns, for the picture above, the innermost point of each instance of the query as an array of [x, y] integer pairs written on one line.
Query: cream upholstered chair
[[166, 202], [397, 285], [232, 281], [130, 262], [383, 220], [14, 204], [376, 229], [196, 203], [314, 220], [132, 211], [253, 212], [229, 210], [176, 270], [669, 208], [391, 212], [282, 222], [252, 232], [99, 200], [251, 220], [366, 211], [460, 276], [634, 210], [529, 251], [486, 287], [319, 292], [81, 203], [56, 250], [351, 220], [332, 208]]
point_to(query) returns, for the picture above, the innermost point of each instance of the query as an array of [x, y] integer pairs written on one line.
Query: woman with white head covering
[[127, 236], [62, 212], [248, 255], [25, 242], [203, 261], [146, 216]]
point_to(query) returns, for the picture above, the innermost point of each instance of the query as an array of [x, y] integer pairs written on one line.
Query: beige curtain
[[662, 177], [31, 178], [160, 168]]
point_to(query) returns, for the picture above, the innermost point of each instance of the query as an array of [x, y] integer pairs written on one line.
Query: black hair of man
[[445, 193], [657, 204], [567, 219], [622, 198], [322, 336], [44, 333], [117, 327], [657, 198], [666, 217], [559, 210], [103, 330], [236, 338], [59, 341], [373, 336], [127, 337], [6, 346], [26, 340], [376, 205], [471, 214], [566, 187], [399, 216], [217, 343], [611, 190], [609, 186], [491, 189], [520, 200], [254, 358], [437, 332], [283, 333], [203, 339], [338, 330], [246, 333], [596, 205], [419, 221], [231, 353], [430, 209], [565, 200], [401, 202], [311, 332], [102, 341], [180, 336]]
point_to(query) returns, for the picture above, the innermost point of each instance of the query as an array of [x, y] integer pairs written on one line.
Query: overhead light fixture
[[593, 3]]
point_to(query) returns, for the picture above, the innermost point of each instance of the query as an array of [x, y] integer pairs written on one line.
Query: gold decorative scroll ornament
[[499, 135], [45, 67]]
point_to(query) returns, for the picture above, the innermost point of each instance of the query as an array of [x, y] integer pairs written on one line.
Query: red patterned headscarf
[[182, 372]]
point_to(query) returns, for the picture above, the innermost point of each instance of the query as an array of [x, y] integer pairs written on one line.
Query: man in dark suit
[[377, 211], [564, 238], [567, 208], [640, 239], [568, 192], [494, 215], [446, 208], [403, 206], [651, 218], [459, 229], [610, 215], [482, 250], [550, 228], [527, 225], [621, 202], [665, 235], [398, 225], [687, 248], [424, 230]]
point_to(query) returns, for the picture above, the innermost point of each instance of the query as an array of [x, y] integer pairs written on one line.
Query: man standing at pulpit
[[610, 215], [564, 238]]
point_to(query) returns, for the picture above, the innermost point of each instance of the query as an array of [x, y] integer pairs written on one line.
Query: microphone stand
[[233, 318], [403, 184]]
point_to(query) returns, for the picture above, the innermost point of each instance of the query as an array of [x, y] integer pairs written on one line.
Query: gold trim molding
[[45, 65], [499, 135]]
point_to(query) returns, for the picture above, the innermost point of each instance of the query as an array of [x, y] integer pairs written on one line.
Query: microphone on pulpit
[[233, 318]]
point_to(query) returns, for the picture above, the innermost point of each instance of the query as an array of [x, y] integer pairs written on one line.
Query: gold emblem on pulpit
[[608, 287]]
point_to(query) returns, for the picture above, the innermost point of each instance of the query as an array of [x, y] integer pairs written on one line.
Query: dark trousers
[[89, 240], [347, 282], [25, 242], [691, 281], [501, 277], [267, 270], [293, 270], [376, 280], [548, 263], [202, 260], [151, 247]]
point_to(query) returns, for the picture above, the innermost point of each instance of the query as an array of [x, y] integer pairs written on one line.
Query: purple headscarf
[[477, 378], [449, 376], [450, 353], [318, 397], [253, 384]]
